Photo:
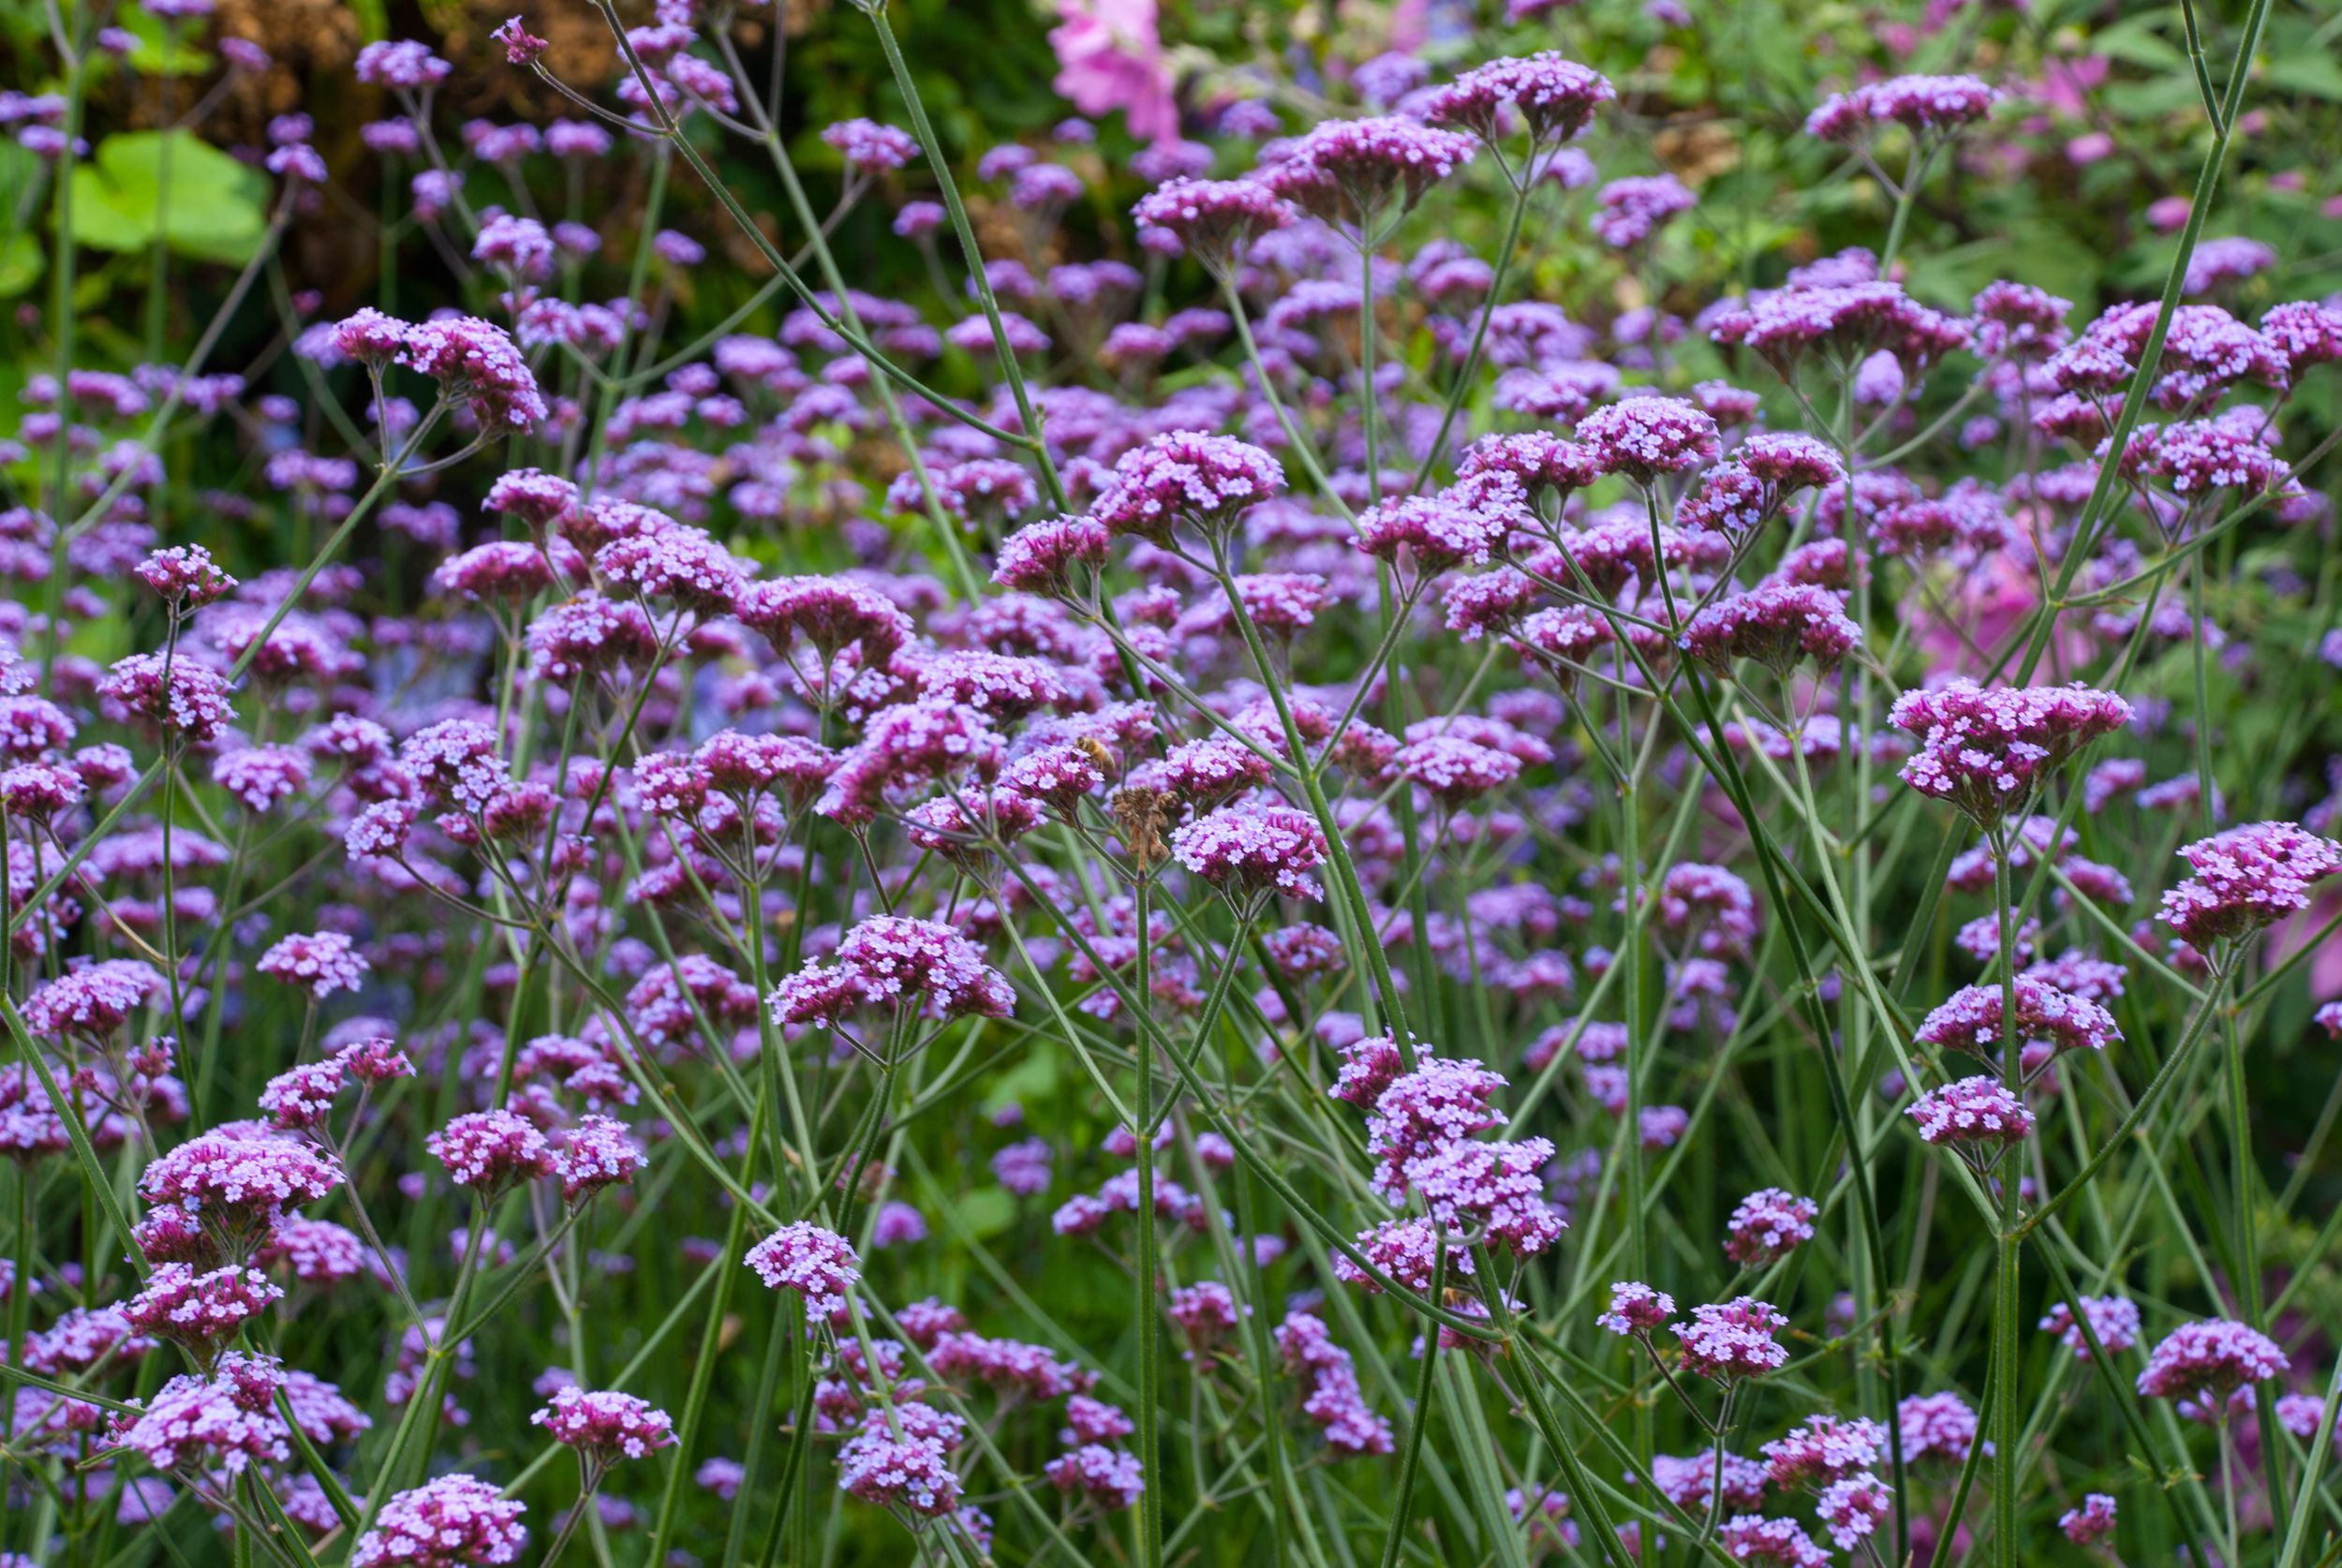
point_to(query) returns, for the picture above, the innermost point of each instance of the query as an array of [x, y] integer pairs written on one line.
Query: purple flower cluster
[[1973, 1112], [1917, 103], [710, 712], [1987, 751], [1733, 1341], [226, 1421], [2246, 878], [1767, 1225], [819, 1264], [1972, 1022], [454, 1521], [604, 1427], [2207, 1361], [1333, 1402]]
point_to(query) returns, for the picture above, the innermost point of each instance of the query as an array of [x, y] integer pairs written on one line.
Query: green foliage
[[145, 187], [161, 50]]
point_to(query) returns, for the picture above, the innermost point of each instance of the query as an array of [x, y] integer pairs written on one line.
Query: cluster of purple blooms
[[1133, 686]]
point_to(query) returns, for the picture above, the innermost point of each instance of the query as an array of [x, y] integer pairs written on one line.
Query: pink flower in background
[[2287, 937], [1409, 25], [1973, 613], [1111, 57], [2091, 147], [2066, 84]]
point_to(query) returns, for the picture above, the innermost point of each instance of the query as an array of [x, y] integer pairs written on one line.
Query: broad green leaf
[[2137, 42], [986, 1212], [21, 262], [2316, 73], [2175, 94], [160, 52], [143, 186]]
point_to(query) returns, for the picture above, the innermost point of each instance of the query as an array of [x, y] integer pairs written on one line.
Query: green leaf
[[2136, 42], [2155, 100], [2314, 72], [160, 51], [145, 186], [374, 23], [21, 265], [986, 1212]]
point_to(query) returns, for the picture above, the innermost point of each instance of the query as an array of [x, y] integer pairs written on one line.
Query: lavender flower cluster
[[1265, 797]]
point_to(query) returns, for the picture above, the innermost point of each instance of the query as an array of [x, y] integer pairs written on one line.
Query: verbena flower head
[[187, 576], [2090, 1523], [1454, 771], [819, 1264], [2246, 878], [40, 792], [1971, 1020], [1988, 750], [894, 960], [1407, 1251], [1050, 557], [1733, 1340], [1974, 1113], [197, 1310], [2306, 331], [454, 1521], [1753, 1538], [235, 1186], [604, 1427], [1636, 1309], [1251, 852], [1205, 1312], [2114, 1318], [1643, 438], [869, 147], [2206, 352], [1846, 322], [1628, 211], [320, 963], [1936, 1425], [1334, 1400], [1917, 103], [493, 1151], [91, 1002], [596, 1154], [1691, 1483], [1823, 1449], [2208, 1361], [1553, 98], [914, 1474], [400, 63], [521, 47], [1189, 476], [1369, 1066], [180, 697], [1354, 172], [1444, 1100], [477, 363], [2195, 457], [2018, 321], [226, 1421], [1547, 465], [1790, 461], [1776, 625], [1494, 1188], [1853, 1508], [1767, 1225], [1214, 220]]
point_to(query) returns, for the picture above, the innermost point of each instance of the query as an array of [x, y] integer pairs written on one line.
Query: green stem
[[1150, 1523], [948, 188]]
